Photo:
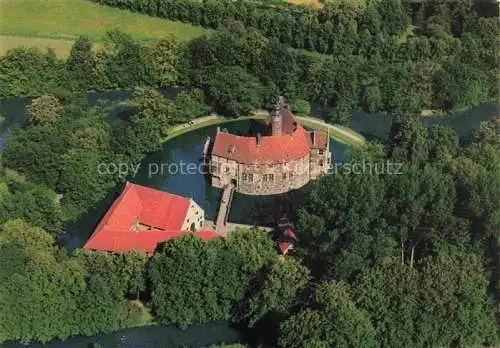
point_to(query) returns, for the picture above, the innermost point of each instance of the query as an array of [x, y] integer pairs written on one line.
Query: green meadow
[[57, 23]]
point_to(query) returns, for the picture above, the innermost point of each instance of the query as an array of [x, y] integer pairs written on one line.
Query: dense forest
[[382, 259], [379, 56]]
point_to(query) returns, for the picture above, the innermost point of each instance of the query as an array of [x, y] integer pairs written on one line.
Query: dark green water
[[150, 337]]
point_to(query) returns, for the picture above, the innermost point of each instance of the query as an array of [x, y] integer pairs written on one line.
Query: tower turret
[[276, 117]]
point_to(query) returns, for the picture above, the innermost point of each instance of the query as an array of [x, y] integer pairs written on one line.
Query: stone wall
[[319, 162], [260, 179], [195, 215]]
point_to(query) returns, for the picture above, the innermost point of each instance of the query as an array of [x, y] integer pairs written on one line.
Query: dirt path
[[341, 132], [336, 129], [194, 122]]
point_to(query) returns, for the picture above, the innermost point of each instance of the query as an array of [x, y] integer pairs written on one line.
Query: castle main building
[[285, 158]]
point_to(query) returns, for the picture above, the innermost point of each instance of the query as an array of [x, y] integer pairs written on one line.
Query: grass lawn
[[62, 47], [209, 123], [314, 3], [33, 22], [333, 134], [261, 116]]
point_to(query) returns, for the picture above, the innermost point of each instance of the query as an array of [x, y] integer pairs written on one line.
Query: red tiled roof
[[294, 143], [161, 209], [273, 149], [317, 139], [164, 212], [289, 122], [285, 247]]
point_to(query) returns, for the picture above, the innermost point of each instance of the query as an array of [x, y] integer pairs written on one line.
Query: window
[[290, 175], [284, 176], [213, 168], [268, 177], [244, 176], [321, 152], [227, 170], [250, 177], [321, 163]]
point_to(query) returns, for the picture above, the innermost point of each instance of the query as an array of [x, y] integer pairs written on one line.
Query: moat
[[185, 149]]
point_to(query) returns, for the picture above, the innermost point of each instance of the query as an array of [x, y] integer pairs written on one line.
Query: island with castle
[[285, 158]]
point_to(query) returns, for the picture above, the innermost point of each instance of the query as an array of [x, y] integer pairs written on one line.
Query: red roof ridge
[[271, 149], [110, 211], [164, 212]]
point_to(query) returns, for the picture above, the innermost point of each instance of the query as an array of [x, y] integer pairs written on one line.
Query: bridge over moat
[[221, 224]]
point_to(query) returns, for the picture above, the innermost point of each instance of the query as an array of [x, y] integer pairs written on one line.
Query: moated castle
[[285, 158]]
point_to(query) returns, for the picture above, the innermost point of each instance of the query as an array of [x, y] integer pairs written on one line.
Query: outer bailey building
[[285, 158], [142, 217]]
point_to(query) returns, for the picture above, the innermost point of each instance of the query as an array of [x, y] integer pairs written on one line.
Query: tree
[[151, 115], [30, 72], [81, 182], [420, 206], [340, 211], [341, 114], [126, 63], [233, 91], [389, 293], [408, 140], [460, 85], [44, 110], [442, 143], [185, 293], [191, 104], [489, 132], [188, 295], [37, 205], [39, 288], [81, 62], [279, 290], [337, 323], [36, 152], [454, 294], [165, 60], [301, 107]]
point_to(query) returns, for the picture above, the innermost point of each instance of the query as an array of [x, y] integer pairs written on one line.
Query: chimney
[[259, 139]]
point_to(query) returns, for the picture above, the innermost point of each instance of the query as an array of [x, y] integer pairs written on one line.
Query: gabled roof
[[160, 214], [317, 139], [285, 247], [293, 144], [271, 150]]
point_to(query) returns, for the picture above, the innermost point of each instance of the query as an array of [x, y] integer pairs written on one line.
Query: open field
[[314, 3], [34, 22], [62, 47]]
